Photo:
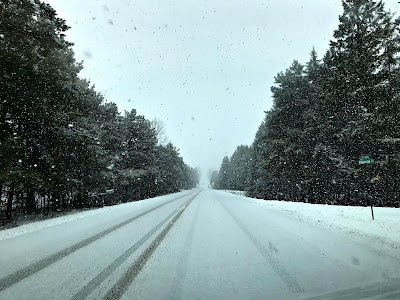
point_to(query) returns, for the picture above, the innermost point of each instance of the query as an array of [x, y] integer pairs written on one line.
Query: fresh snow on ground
[[34, 226], [227, 246], [240, 193], [222, 246], [353, 220]]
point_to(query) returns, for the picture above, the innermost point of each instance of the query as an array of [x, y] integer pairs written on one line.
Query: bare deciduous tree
[[159, 129]]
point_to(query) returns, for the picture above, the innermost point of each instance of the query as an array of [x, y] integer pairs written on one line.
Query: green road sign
[[366, 160]]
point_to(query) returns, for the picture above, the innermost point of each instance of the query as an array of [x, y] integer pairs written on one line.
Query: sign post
[[374, 179], [366, 160]]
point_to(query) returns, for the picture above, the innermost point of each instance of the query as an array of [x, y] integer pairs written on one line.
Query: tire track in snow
[[21, 274], [175, 290], [315, 247], [124, 282], [278, 268]]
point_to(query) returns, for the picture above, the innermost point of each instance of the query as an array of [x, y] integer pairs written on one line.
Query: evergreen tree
[[214, 179], [360, 92], [61, 145], [328, 114], [239, 164], [224, 174]]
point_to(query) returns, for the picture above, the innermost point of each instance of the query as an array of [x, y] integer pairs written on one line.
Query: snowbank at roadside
[[38, 225], [353, 220], [240, 193]]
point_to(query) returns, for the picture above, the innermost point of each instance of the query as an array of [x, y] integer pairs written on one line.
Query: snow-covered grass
[[351, 220]]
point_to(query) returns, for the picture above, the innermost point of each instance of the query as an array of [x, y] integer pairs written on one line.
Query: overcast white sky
[[203, 67]]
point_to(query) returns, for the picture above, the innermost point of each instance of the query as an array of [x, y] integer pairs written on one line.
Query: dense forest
[[333, 133], [62, 145]]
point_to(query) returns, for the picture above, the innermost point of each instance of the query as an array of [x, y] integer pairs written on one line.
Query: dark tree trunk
[[55, 201], [46, 205], [30, 205]]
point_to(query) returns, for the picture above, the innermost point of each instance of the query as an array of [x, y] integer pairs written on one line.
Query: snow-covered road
[[201, 244]]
